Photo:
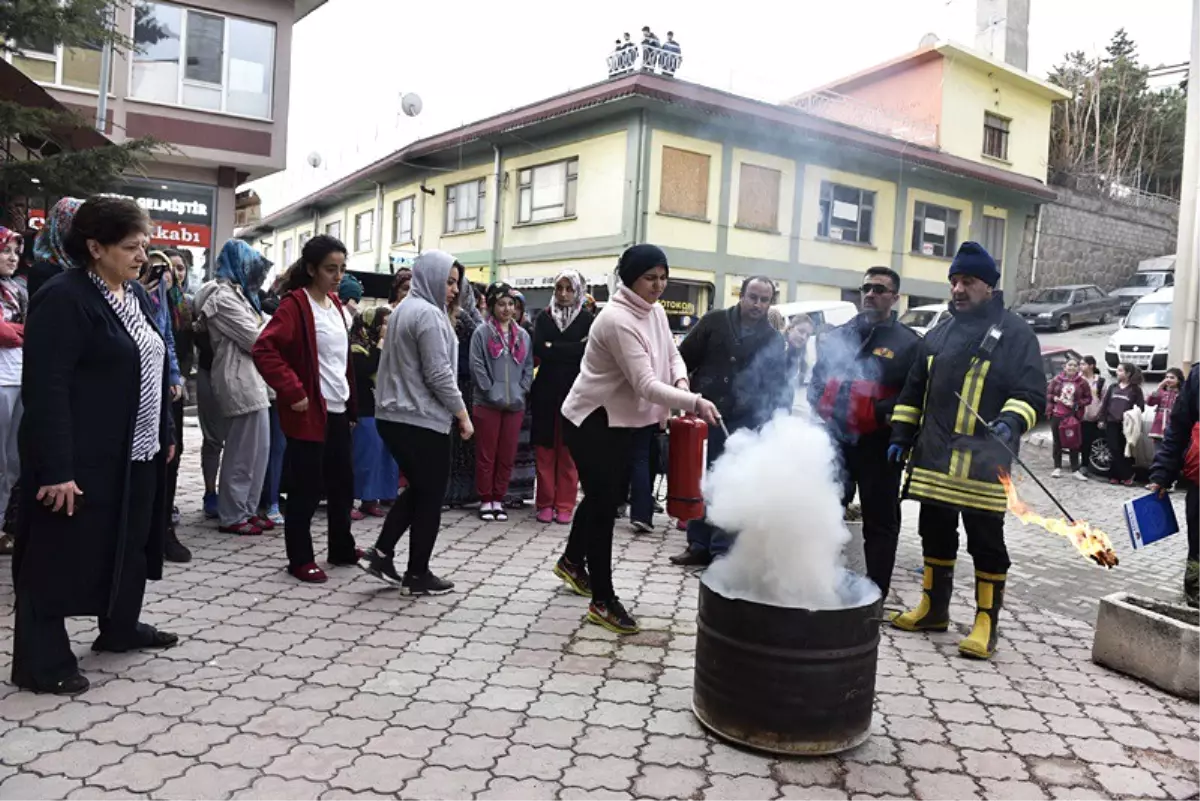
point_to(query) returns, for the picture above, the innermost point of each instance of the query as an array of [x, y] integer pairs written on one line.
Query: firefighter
[[861, 368], [991, 358], [1178, 458], [735, 359]]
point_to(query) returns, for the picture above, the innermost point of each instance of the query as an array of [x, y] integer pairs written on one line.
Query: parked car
[[1152, 275], [922, 319], [1060, 307], [1144, 336], [824, 313], [1055, 357]]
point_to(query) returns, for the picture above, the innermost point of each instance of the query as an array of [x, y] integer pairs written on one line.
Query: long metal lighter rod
[[1016, 458]]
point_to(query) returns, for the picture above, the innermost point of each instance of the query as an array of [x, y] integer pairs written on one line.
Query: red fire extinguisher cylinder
[[688, 437]]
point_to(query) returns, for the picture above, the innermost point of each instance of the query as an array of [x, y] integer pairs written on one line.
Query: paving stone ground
[[499, 690]]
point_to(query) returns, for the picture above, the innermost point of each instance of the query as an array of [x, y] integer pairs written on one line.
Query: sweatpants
[[244, 467], [313, 469], [424, 458], [603, 457], [938, 527], [557, 478], [866, 467], [41, 646], [1057, 450], [212, 427], [11, 411], [496, 435]]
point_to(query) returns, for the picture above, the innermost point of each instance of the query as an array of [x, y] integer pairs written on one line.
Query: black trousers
[[866, 467], [1122, 465], [602, 456], [1192, 513], [41, 647], [315, 469], [1091, 433], [424, 458], [1057, 450], [938, 526], [173, 466]]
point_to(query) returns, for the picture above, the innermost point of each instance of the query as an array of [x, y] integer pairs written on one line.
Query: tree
[[37, 163]]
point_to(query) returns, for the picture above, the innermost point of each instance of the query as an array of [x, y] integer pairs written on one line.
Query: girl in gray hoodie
[[416, 401]]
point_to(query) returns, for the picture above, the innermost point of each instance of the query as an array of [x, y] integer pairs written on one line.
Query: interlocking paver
[[1012, 789], [311, 762], [79, 760], [594, 773], [436, 783], [740, 787], [928, 785], [30, 785], [128, 728], [533, 762], [269, 788], [141, 773], [371, 772], [520, 790], [657, 781], [802, 793], [1134, 782], [19, 746], [886, 779], [249, 750], [205, 781], [604, 741]]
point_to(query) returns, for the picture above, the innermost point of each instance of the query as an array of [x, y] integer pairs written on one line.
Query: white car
[[922, 319], [1144, 336], [824, 313]]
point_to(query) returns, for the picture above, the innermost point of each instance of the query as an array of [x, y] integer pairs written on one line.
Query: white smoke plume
[[777, 488]]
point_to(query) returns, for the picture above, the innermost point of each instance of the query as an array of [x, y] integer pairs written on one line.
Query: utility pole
[[106, 54], [1185, 316]]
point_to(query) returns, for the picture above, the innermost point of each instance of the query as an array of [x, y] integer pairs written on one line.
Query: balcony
[[643, 58], [841, 108]]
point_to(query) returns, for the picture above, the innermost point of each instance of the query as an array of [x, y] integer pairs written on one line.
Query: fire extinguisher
[[688, 437]]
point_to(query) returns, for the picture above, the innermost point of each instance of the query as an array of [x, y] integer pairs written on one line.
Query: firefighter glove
[[1002, 431], [895, 453]]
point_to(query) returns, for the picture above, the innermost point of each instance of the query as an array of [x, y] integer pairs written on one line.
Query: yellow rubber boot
[[989, 597], [933, 611]]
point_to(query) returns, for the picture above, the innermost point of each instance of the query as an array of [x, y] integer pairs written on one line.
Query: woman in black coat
[[559, 337], [95, 441]]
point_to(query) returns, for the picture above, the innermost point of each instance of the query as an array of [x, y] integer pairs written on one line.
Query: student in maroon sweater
[[304, 355]]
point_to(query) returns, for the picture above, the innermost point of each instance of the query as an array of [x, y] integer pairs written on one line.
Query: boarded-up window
[[684, 183], [758, 198]]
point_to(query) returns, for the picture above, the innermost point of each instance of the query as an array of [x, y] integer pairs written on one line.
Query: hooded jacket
[[233, 326], [417, 379], [500, 382]]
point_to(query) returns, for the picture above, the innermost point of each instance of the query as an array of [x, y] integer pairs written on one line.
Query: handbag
[[1070, 433]]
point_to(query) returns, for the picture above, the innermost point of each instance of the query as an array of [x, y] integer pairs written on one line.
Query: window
[[684, 190], [847, 213], [547, 192], [935, 230], [995, 136], [402, 220], [364, 229], [287, 252], [334, 229], [758, 198], [993, 237], [304, 237], [202, 60], [265, 247], [464, 206], [45, 62]]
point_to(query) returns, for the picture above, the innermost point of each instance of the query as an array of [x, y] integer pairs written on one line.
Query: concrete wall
[[1093, 240]]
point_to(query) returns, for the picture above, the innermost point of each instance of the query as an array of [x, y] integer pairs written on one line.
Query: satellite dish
[[410, 104], [928, 40], [314, 159]]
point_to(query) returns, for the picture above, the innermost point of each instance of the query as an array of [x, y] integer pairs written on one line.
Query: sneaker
[[563, 518], [273, 514], [174, 550], [545, 515], [574, 576], [428, 584], [355, 514], [1056, 473], [642, 527], [309, 573], [210, 505], [245, 528], [1080, 475], [264, 523], [373, 510], [174, 515], [378, 564], [612, 616]]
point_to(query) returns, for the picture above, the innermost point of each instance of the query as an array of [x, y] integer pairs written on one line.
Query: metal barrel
[[789, 681]]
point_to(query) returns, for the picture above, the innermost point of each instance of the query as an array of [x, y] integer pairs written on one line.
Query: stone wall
[[1087, 239]]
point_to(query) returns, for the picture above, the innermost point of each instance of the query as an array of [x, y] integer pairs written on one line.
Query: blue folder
[[1150, 519]]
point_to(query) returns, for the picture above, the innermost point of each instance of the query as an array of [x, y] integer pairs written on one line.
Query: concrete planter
[[1156, 642], [852, 551]]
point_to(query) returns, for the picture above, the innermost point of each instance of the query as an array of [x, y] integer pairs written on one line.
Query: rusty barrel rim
[[799, 748]]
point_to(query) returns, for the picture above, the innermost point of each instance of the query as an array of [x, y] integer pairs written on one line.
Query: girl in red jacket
[[1164, 398], [1068, 395], [304, 355]]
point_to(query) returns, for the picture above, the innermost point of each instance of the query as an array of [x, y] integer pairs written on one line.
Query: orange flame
[[1091, 542]]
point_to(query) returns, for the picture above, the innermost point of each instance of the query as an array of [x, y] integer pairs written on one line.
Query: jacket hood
[[429, 273]]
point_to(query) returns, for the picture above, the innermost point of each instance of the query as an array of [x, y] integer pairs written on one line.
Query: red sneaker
[[356, 515], [263, 523], [245, 528], [373, 510], [309, 573]]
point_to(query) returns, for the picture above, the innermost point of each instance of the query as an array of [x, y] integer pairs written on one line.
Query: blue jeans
[[641, 487], [270, 493]]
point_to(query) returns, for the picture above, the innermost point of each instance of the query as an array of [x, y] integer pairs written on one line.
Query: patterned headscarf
[[499, 341], [14, 300], [243, 265], [563, 316], [364, 331], [50, 242]]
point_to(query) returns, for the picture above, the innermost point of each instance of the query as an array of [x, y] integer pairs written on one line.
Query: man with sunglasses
[[861, 368]]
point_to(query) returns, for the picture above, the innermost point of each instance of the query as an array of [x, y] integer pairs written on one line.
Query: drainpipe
[[377, 234], [106, 54], [1037, 241], [316, 222], [497, 180], [639, 222], [421, 225]]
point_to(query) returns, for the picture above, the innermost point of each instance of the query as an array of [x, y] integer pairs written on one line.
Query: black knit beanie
[[639, 260]]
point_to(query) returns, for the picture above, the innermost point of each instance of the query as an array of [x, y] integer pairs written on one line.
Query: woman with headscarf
[[465, 317], [631, 377], [376, 475], [14, 304], [559, 337], [50, 256], [96, 437], [228, 309], [401, 283], [304, 355], [524, 469]]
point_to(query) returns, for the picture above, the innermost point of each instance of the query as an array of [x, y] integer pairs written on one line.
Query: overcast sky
[[469, 59]]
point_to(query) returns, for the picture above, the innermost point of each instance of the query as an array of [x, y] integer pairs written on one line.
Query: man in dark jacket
[[861, 368], [1171, 463], [735, 359], [991, 358]]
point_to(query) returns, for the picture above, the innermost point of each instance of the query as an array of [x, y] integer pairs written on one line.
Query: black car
[[1060, 307]]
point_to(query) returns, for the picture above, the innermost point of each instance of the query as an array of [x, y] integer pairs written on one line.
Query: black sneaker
[[427, 584], [575, 576], [175, 515], [612, 616], [379, 565], [174, 550]]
